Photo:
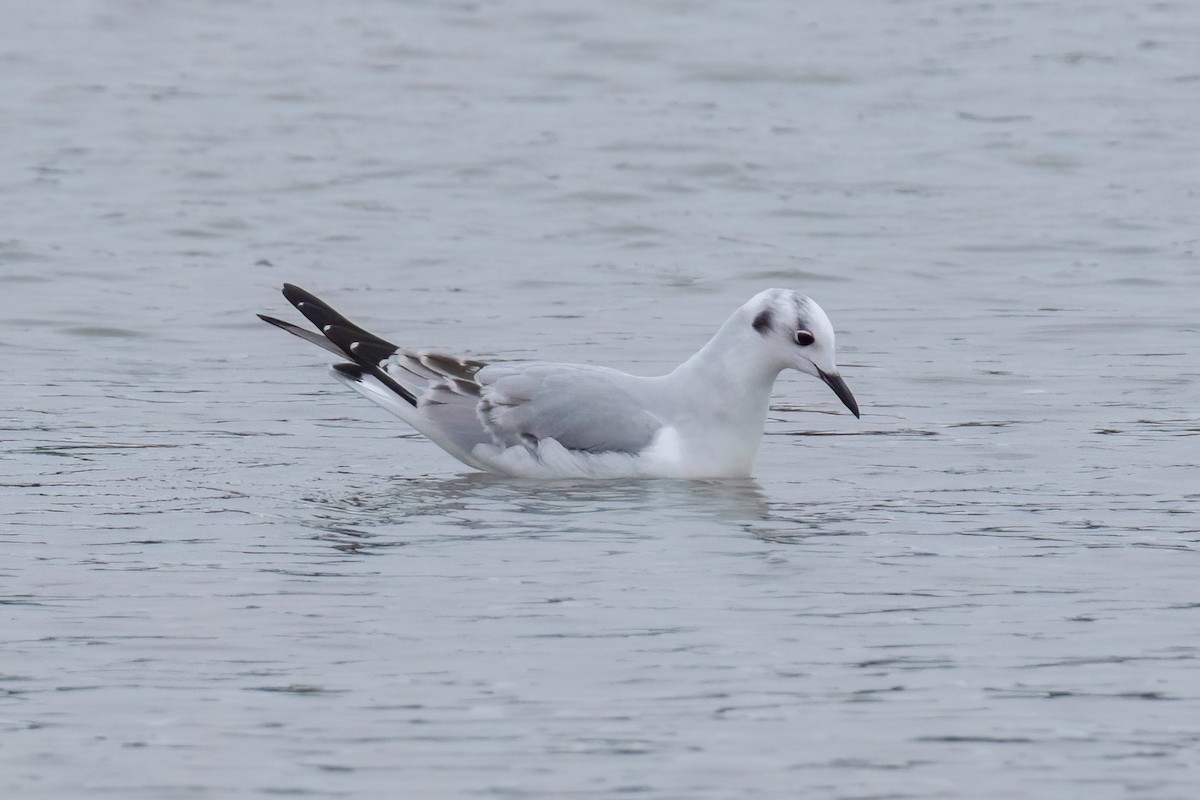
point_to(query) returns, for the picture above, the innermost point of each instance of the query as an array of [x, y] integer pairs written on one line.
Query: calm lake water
[[224, 575]]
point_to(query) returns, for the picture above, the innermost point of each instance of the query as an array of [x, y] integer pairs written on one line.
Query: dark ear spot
[[762, 323], [804, 338]]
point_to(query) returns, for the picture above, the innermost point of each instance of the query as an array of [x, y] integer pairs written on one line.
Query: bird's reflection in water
[[410, 510]]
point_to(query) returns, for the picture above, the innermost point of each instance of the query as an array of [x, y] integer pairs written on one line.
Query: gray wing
[[446, 394], [460, 403], [584, 408]]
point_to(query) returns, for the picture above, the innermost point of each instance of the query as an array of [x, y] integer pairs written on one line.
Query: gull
[[536, 419]]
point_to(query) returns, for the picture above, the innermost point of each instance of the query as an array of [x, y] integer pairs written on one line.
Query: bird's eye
[[804, 338]]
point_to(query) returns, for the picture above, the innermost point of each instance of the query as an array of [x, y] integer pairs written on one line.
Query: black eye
[[804, 338]]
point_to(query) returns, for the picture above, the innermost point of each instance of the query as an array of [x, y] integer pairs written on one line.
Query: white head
[[799, 335]]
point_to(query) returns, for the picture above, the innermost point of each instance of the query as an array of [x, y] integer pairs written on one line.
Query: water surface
[[226, 576]]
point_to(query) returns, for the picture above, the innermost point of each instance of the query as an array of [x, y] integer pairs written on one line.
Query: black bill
[[840, 388]]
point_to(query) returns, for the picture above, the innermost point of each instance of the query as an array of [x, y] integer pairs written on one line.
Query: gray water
[[224, 575]]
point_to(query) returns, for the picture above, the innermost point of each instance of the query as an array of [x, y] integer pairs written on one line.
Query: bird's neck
[[733, 354], [720, 401], [731, 370]]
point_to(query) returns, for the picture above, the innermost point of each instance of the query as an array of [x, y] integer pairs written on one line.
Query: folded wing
[[461, 403], [591, 409]]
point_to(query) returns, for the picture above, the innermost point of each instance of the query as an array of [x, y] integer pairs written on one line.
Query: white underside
[[666, 457]]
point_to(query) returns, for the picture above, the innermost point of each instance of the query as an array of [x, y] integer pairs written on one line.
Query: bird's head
[[799, 336]]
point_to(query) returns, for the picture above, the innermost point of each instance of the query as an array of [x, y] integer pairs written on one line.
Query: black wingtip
[[356, 372], [316, 310], [360, 345], [344, 338], [295, 294], [352, 371]]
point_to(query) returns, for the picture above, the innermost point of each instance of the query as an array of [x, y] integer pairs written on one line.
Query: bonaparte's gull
[[536, 419]]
